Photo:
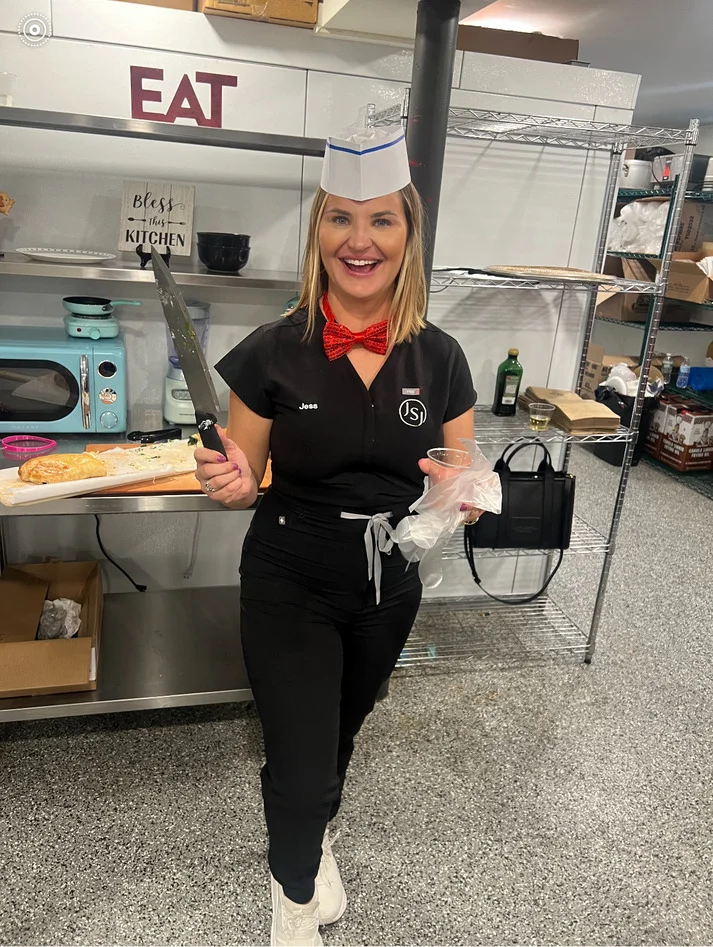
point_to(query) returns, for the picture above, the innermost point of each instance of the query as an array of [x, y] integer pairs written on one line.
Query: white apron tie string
[[378, 538]]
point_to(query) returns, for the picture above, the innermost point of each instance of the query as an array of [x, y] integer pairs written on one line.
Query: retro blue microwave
[[53, 384]]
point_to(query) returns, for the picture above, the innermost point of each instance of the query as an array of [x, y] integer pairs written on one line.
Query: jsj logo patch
[[413, 412]]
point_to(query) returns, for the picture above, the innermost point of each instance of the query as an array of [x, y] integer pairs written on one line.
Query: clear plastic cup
[[7, 84], [540, 416], [446, 462]]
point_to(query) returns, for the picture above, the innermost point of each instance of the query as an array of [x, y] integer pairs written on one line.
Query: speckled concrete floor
[[542, 804]]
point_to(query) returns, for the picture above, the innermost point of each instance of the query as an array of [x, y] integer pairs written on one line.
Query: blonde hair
[[408, 306]]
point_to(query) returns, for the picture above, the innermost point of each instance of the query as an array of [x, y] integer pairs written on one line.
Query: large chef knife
[[190, 354]]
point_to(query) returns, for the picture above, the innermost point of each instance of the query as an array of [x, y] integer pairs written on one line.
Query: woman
[[346, 393]]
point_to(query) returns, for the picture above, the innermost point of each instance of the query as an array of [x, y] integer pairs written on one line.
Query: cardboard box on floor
[[29, 667], [687, 439], [538, 46], [283, 12], [633, 307]]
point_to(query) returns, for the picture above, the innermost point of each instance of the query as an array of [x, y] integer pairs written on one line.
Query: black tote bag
[[537, 511]]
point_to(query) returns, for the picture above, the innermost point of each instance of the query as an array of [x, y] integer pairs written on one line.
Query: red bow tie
[[338, 339]]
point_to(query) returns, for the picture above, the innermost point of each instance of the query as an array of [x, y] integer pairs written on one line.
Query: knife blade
[[190, 354]]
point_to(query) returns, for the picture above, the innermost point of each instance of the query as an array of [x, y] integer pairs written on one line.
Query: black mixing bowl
[[223, 259], [223, 239]]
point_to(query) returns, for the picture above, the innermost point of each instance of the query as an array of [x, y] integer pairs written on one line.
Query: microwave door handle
[[84, 392]]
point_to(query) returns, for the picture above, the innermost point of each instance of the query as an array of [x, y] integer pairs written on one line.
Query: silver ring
[[207, 487]]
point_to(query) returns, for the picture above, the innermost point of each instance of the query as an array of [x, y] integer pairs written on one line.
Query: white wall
[[500, 204]]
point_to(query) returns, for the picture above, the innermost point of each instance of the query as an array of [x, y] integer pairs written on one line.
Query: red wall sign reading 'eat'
[[184, 103]]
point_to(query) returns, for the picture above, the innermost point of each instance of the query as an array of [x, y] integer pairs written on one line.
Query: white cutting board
[[15, 492], [144, 463]]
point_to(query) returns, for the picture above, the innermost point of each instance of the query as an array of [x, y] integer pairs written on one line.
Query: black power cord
[[139, 588]]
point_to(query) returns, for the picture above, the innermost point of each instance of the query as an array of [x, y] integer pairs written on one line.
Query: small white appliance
[[177, 405]]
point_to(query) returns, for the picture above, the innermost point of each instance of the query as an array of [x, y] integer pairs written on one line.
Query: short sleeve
[[245, 371], [461, 394]]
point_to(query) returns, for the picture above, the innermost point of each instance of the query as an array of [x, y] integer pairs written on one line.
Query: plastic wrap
[[440, 510], [639, 228]]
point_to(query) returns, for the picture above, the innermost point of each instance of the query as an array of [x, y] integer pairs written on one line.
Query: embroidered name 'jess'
[[308, 407]]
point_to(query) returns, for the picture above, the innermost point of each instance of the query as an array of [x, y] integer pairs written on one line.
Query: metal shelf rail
[[185, 274], [495, 631], [540, 627], [544, 130], [663, 326]]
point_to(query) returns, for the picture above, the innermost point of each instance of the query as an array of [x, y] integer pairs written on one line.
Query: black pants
[[317, 649]]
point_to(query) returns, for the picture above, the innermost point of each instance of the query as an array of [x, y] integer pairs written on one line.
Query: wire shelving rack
[[541, 626]]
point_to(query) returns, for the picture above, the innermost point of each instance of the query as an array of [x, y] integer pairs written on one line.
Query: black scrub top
[[334, 443]]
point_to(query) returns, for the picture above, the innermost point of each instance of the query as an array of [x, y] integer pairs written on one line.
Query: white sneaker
[[328, 885], [293, 925]]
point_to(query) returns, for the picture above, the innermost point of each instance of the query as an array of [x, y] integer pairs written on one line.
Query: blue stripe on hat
[[368, 151]]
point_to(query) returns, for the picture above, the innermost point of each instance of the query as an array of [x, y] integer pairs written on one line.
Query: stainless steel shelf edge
[[162, 131], [16, 264], [131, 503]]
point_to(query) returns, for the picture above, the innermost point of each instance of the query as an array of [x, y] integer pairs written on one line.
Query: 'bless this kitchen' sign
[[157, 214]]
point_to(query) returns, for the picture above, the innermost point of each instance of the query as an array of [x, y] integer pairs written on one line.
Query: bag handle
[[507, 601], [504, 461]]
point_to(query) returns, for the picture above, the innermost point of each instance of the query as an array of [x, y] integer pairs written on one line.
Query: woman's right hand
[[226, 478]]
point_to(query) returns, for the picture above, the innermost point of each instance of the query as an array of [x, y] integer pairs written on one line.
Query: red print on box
[[184, 103]]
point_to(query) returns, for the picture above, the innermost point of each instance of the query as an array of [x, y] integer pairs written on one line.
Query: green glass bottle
[[507, 385]]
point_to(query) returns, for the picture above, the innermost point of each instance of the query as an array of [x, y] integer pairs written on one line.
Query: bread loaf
[[59, 468]]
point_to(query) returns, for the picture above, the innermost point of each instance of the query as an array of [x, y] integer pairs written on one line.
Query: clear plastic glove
[[444, 507]]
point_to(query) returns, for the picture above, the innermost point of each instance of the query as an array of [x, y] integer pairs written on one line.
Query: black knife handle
[[207, 430]]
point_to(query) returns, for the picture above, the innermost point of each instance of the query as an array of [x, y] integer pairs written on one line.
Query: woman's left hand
[[471, 514]]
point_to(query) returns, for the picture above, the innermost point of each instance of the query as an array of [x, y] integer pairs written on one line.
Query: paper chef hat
[[366, 163]]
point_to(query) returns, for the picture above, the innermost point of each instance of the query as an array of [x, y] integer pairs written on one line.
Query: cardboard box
[[480, 39], [593, 370], [283, 12], [29, 667], [687, 437], [188, 5], [632, 307], [654, 435], [687, 281]]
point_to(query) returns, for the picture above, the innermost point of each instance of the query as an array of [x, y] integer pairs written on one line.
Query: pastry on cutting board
[[59, 468]]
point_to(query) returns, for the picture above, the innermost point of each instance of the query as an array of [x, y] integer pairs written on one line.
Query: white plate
[[47, 255]]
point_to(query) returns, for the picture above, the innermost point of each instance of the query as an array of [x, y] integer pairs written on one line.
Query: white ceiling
[[669, 43]]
